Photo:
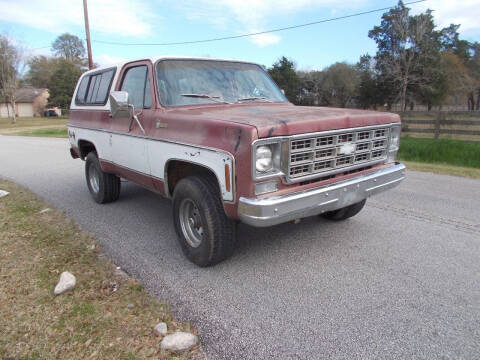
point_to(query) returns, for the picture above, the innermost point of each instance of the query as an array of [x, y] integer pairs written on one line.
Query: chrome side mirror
[[120, 107], [119, 104]]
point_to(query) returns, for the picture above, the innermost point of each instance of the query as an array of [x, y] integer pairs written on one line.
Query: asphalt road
[[401, 280]]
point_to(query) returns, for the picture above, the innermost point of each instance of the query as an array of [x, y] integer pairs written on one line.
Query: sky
[[34, 24]]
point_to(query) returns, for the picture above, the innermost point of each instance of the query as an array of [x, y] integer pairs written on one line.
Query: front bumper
[[279, 209]]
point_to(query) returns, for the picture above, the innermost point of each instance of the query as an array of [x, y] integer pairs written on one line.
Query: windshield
[[193, 82]]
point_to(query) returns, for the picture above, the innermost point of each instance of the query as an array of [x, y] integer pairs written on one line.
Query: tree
[[408, 53], [41, 69], [369, 92], [69, 47], [339, 84], [10, 69], [284, 74], [310, 91], [62, 83]]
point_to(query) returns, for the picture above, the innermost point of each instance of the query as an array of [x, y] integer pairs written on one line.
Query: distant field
[[36, 126], [441, 151]]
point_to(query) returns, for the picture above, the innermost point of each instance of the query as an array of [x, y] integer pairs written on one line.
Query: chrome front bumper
[[279, 209]]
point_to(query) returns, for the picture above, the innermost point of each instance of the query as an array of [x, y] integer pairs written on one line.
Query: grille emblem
[[346, 149]]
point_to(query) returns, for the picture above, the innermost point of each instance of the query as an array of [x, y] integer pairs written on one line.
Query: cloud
[[119, 17], [105, 60], [446, 12], [265, 39], [248, 16]]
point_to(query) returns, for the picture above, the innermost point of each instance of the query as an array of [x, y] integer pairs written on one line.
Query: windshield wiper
[[206, 96], [253, 98]]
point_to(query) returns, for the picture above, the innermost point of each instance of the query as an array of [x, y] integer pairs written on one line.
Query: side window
[[104, 87], [136, 82], [94, 88], [82, 90]]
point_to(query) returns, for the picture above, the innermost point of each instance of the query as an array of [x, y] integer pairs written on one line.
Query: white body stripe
[[150, 156]]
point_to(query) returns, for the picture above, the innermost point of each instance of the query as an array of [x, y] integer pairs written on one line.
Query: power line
[[256, 33]]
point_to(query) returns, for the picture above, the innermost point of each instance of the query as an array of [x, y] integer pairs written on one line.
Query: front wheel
[[346, 212], [103, 187], [205, 233]]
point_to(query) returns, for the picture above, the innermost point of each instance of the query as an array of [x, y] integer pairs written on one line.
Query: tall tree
[[11, 62], [41, 69], [69, 47], [62, 83], [408, 52], [284, 74]]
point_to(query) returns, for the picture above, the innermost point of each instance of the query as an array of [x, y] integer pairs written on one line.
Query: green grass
[[32, 122], [443, 169], [60, 133], [442, 151]]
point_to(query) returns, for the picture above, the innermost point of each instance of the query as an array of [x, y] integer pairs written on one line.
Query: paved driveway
[[399, 281]]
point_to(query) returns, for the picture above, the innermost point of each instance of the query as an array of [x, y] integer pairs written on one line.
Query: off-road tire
[[108, 187], [346, 212], [219, 232]]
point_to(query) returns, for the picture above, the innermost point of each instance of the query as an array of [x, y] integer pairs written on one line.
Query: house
[[30, 102]]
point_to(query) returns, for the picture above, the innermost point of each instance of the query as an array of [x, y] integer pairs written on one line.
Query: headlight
[[264, 159], [395, 137]]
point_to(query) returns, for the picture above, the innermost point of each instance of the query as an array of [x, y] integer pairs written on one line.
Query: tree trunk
[[478, 100], [14, 119], [471, 103], [429, 107]]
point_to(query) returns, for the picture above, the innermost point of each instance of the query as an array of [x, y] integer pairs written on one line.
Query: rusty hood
[[288, 119]]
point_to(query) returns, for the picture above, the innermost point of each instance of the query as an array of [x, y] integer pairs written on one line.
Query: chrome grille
[[323, 154]]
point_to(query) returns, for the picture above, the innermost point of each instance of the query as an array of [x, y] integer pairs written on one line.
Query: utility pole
[[87, 30]]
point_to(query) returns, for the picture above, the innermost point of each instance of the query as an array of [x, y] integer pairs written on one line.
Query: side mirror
[[283, 91], [119, 104]]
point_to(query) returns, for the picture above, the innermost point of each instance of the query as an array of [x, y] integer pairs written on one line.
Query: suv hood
[[288, 119]]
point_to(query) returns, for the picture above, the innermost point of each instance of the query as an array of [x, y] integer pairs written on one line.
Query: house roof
[[28, 94]]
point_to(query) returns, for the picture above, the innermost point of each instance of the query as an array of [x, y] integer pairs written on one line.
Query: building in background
[[30, 102]]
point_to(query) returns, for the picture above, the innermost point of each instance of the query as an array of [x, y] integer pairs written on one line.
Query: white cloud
[[247, 16], [265, 39], [119, 17], [105, 60], [446, 12]]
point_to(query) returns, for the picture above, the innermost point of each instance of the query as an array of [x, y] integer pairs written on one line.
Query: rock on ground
[[160, 329], [67, 282], [179, 341]]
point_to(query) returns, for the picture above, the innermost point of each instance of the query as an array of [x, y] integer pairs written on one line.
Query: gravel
[[398, 281]]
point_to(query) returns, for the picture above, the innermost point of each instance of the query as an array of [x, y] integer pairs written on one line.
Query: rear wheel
[[103, 187], [346, 212], [205, 233]]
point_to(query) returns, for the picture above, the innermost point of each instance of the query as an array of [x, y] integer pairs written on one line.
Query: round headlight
[[264, 161]]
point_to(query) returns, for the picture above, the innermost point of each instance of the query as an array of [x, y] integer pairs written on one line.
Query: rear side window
[[94, 88]]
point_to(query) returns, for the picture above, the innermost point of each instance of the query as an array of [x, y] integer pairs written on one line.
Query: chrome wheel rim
[[94, 178], [191, 223]]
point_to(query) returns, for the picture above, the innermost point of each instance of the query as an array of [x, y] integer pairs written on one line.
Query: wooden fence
[[460, 125]]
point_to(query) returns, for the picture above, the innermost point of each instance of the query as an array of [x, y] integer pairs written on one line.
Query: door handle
[[160, 125]]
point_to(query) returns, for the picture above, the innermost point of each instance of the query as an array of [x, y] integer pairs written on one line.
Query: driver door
[[128, 143]]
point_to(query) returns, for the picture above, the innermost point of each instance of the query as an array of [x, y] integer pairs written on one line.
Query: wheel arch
[[85, 147], [177, 169]]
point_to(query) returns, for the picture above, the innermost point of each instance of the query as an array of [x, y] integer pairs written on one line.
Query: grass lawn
[[62, 133], [441, 151], [106, 316], [30, 126]]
